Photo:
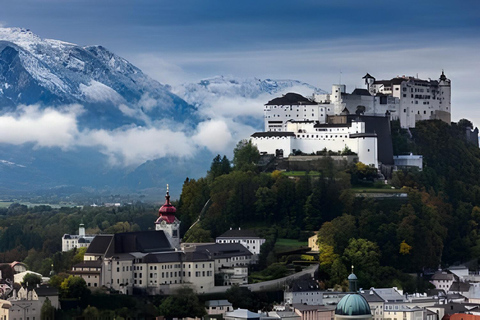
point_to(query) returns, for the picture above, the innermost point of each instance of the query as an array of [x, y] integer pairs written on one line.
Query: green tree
[[31, 280], [197, 234], [245, 156], [48, 311], [75, 288], [90, 313], [184, 303], [219, 166], [241, 297]]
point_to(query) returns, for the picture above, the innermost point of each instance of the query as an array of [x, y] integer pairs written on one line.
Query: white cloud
[[135, 145], [213, 134], [45, 128], [3, 24], [160, 69]]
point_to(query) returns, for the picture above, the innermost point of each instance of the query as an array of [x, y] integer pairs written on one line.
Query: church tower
[[168, 223]]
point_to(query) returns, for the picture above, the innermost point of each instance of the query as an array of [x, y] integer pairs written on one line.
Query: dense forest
[[437, 224], [384, 239]]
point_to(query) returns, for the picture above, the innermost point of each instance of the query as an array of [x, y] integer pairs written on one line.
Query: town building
[[248, 238], [313, 242], [303, 291], [442, 280], [231, 261], [27, 304], [152, 262], [80, 240], [314, 312], [408, 161], [90, 271], [4, 309], [217, 307]]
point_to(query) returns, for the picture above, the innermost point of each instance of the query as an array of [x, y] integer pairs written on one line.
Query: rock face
[[52, 73]]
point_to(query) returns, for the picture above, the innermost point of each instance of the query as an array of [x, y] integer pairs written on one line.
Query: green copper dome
[[352, 276], [353, 305]]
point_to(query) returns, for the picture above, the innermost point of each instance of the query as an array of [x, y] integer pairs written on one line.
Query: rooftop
[[290, 99], [238, 233]]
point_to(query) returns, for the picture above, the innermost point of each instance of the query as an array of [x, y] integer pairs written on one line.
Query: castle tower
[[168, 223], [369, 80], [81, 230], [445, 95]]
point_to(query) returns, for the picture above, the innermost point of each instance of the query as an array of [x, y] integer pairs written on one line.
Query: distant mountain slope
[[251, 88], [83, 117], [52, 72]]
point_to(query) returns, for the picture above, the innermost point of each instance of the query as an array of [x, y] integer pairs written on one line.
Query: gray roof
[[99, 244], [372, 296], [389, 294], [290, 99], [243, 314], [361, 92], [44, 291], [273, 134], [217, 303], [460, 286], [442, 276], [170, 256], [119, 243], [236, 233], [303, 285], [223, 250]]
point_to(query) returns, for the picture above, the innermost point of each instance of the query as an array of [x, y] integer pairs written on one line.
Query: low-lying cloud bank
[[125, 146]]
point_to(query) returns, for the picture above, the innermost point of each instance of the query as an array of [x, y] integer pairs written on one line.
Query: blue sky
[[313, 41]]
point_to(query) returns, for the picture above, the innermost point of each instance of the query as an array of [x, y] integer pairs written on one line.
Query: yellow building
[[312, 243]]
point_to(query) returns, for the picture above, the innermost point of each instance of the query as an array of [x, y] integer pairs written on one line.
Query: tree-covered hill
[[439, 222]]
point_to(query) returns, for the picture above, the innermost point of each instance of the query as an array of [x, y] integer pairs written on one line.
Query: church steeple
[[167, 222], [352, 282]]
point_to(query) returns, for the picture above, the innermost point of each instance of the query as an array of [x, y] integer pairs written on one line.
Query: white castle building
[[338, 120], [404, 98], [311, 136], [80, 240]]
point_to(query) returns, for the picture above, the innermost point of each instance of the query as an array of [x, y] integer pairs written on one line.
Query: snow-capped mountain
[[83, 117], [206, 90], [52, 72]]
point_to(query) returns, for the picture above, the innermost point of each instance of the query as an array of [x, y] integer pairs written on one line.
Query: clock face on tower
[[163, 223]]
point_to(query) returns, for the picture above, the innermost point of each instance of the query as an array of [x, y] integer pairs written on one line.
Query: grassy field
[[289, 244], [5, 204]]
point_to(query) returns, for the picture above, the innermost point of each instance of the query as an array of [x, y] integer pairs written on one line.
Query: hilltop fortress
[[357, 122]]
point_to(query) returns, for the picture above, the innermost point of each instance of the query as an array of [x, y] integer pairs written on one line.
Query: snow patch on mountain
[[11, 164], [250, 88], [98, 92]]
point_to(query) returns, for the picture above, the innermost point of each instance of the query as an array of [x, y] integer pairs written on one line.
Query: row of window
[[324, 137]]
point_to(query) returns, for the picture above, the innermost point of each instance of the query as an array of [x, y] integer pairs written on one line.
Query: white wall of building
[[310, 139]]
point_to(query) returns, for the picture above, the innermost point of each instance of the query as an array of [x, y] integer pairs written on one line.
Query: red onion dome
[[167, 207]]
